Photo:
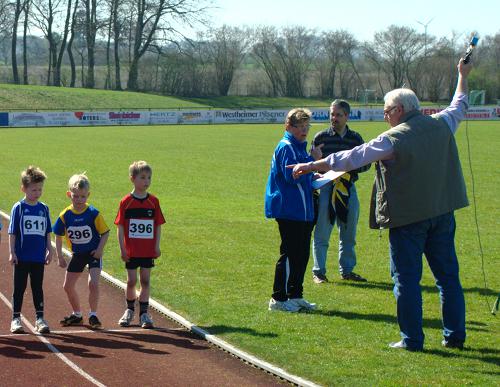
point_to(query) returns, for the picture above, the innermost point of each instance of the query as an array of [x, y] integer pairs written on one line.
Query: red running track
[[168, 355]]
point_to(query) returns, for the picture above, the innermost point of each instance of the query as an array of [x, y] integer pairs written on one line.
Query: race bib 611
[[34, 225], [141, 228]]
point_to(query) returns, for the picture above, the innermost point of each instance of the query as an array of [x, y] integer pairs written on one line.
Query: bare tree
[[172, 78], [73, 31], [90, 36], [27, 5], [286, 57], [62, 44], [18, 10], [337, 50], [439, 66], [5, 30], [487, 72], [186, 70], [45, 18], [109, 28], [296, 54], [5, 17], [265, 40], [226, 47], [117, 23], [393, 51], [155, 22]]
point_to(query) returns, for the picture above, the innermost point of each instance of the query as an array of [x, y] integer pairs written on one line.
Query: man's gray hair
[[403, 97]]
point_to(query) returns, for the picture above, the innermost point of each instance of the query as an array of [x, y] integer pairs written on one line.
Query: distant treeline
[[135, 45]]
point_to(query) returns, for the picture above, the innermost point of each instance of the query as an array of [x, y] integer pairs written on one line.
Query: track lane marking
[[224, 345], [63, 332], [49, 345]]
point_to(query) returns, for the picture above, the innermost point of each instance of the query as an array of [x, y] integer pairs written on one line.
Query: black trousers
[[21, 272], [294, 255]]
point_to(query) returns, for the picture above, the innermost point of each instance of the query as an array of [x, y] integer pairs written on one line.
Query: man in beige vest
[[418, 186]]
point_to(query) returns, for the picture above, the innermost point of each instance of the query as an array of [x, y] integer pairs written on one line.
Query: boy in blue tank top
[[30, 247], [86, 234]]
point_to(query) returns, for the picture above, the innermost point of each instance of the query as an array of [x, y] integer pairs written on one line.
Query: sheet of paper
[[327, 178]]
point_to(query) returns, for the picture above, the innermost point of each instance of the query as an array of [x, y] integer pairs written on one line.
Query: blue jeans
[[435, 238], [347, 233]]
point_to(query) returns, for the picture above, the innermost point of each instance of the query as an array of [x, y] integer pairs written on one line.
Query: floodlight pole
[[425, 34]]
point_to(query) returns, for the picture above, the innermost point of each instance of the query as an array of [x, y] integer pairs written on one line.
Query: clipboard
[[328, 177]]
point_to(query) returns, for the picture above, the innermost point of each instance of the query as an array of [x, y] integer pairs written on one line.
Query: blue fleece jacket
[[286, 197]]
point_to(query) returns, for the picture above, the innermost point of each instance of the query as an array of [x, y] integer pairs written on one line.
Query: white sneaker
[[284, 306], [16, 326], [146, 321], [302, 304], [41, 326], [127, 318]]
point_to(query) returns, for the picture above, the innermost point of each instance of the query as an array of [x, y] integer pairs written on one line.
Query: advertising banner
[[82, 118], [129, 118], [195, 117], [164, 118], [92, 118], [249, 116]]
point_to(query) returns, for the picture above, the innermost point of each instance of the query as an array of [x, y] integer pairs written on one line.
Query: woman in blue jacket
[[290, 202]]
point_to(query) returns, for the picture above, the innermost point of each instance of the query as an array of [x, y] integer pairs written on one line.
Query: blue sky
[[364, 17]]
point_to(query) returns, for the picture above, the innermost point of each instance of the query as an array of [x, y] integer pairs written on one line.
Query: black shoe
[[72, 319], [319, 278], [352, 276], [94, 322], [452, 344]]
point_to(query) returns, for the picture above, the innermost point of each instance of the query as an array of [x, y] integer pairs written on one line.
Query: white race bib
[[79, 235], [34, 225], [141, 228]]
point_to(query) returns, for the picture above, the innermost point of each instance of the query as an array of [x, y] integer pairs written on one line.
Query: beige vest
[[423, 180]]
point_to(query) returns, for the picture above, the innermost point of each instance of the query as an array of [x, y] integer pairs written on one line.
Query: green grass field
[[218, 251], [20, 97], [30, 97]]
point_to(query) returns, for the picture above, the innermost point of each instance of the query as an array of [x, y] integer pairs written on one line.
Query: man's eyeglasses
[[388, 111]]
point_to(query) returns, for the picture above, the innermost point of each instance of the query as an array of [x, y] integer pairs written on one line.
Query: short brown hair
[[297, 116], [32, 175], [138, 167], [343, 104]]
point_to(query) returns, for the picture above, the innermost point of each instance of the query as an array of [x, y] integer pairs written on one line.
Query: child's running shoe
[[284, 306], [41, 326], [94, 322], [16, 326], [146, 321], [72, 319], [127, 318]]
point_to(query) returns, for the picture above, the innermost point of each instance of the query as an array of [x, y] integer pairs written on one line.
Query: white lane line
[[249, 358], [90, 331], [70, 332], [53, 348]]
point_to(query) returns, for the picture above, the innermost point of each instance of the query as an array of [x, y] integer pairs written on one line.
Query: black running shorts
[[80, 260], [134, 263]]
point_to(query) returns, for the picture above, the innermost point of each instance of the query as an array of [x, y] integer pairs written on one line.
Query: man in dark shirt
[[338, 202]]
